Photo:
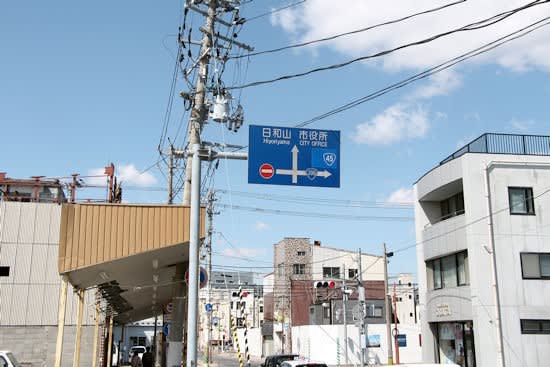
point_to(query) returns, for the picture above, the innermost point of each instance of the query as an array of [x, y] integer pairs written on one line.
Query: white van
[[7, 359]]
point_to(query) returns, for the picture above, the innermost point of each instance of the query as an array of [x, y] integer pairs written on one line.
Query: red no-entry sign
[[266, 171]]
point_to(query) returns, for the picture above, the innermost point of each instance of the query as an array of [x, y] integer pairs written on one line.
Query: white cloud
[[440, 84], [402, 195], [127, 174], [261, 226], [396, 123], [522, 125], [245, 252], [528, 52]]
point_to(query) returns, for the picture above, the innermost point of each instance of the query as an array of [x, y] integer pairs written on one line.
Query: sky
[[86, 84]]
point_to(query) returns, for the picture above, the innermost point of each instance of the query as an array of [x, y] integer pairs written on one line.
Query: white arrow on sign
[[295, 172]]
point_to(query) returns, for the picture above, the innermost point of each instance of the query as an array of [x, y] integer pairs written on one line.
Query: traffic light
[[324, 284]]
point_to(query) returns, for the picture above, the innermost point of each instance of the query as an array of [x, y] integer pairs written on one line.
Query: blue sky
[[86, 84]]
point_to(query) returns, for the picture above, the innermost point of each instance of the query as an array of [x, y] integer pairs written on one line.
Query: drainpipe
[[496, 293]]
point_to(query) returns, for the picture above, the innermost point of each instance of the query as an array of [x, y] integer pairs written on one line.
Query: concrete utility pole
[[199, 112], [344, 300], [171, 175], [387, 307], [363, 305], [210, 213]]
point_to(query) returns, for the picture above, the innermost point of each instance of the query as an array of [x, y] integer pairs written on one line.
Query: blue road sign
[[208, 307], [293, 156]]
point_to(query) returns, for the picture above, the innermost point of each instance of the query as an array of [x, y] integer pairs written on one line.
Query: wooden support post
[[61, 320], [79, 315], [110, 345], [96, 336]]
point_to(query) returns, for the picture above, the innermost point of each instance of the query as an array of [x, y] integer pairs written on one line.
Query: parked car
[[136, 348], [276, 359], [303, 363], [7, 359]]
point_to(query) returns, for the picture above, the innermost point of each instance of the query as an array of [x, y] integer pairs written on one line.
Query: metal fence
[[505, 144]]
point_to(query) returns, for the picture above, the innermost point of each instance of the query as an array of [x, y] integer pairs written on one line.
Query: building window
[[535, 326], [331, 272], [281, 269], [535, 265], [453, 206], [374, 310], [352, 273], [449, 271], [521, 200], [261, 308], [301, 253], [299, 269]]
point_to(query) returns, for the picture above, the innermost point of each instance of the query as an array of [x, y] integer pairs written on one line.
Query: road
[[228, 359]]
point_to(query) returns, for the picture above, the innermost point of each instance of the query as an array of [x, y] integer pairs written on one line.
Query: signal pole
[[199, 112]]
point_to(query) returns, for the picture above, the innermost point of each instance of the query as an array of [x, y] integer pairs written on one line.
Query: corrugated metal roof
[[95, 233]]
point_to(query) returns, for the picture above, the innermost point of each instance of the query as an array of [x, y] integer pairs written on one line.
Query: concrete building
[[30, 287], [297, 301], [483, 253], [406, 298]]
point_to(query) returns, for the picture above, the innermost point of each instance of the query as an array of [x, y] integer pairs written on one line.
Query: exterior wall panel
[[50, 304], [26, 223], [10, 228], [22, 268], [6, 296], [34, 309], [38, 263], [42, 224], [19, 305], [7, 258]]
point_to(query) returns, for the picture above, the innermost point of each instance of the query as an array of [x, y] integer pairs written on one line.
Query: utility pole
[[387, 306], [396, 334], [210, 213], [344, 299], [200, 110], [171, 175], [363, 305]]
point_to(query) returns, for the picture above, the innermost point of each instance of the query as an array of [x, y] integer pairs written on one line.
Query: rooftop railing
[[505, 144]]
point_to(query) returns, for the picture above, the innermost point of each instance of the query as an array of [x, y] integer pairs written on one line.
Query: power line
[[317, 215], [322, 201], [507, 208], [302, 44], [522, 32], [469, 27], [275, 11]]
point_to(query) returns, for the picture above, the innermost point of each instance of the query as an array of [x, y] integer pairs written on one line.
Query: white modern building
[[483, 253]]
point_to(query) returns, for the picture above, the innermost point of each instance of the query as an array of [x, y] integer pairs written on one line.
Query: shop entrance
[[455, 341]]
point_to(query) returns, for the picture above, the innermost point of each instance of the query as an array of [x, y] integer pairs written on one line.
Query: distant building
[[30, 284], [297, 301], [225, 302], [406, 298], [483, 254]]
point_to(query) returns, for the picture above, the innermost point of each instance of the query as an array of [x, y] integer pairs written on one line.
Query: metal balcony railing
[[505, 144]]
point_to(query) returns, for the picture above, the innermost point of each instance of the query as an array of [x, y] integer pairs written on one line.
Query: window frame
[[439, 275], [540, 276], [528, 198], [333, 274], [541, 330], [355, 273], [300, 253], [298, 269]]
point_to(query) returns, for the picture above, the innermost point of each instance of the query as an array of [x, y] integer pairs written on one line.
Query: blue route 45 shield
[[293, 156]]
